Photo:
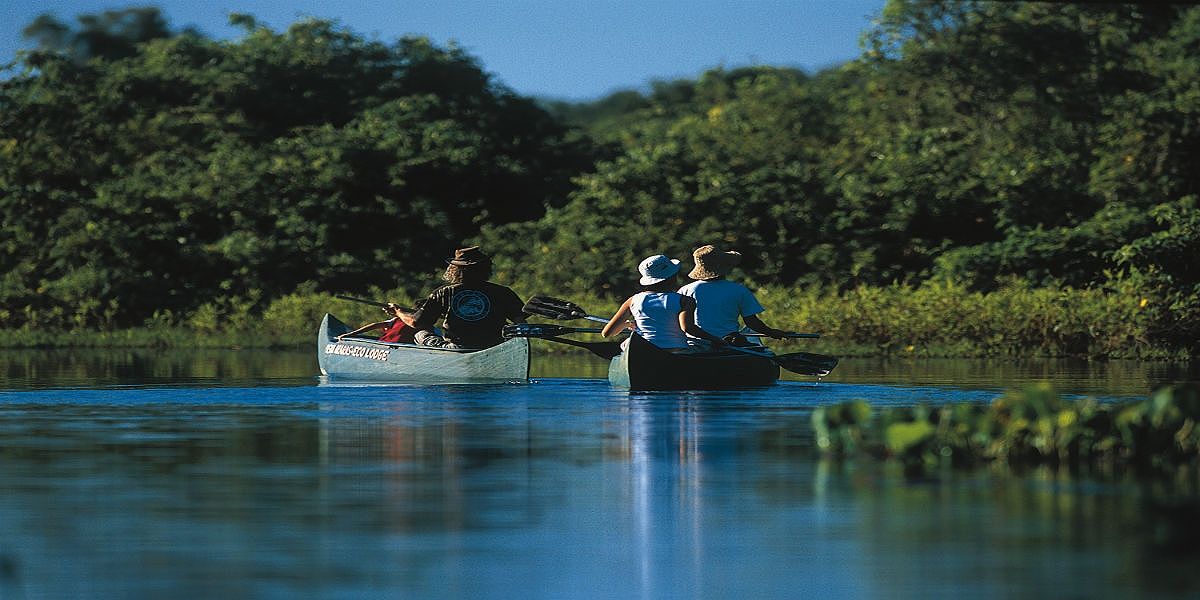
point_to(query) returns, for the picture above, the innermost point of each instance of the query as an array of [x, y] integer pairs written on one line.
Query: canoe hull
[[644, 366], [359, 359]]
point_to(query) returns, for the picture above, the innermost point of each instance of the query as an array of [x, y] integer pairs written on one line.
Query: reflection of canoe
[[643, 366], [364, 359]]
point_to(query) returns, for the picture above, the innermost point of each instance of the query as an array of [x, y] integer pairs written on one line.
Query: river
[[240, 474]]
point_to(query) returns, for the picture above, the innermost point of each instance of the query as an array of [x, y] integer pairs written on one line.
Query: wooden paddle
[[383, 305], [605, 350], [801, 363], [564, 310], [540, 330], [550, 332], [558, 309]]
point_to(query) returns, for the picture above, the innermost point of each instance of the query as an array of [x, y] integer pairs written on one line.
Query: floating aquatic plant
[[1027, 428]]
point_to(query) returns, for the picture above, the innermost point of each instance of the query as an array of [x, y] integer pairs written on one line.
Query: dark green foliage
[[976, 142], [1043, 153], [109, 35], [1077, 256], [189, 169], [949, 319], [1163, 266], [738, 166]]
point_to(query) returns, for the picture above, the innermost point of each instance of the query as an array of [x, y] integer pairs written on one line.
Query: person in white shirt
[[661, 316], [720, 302]]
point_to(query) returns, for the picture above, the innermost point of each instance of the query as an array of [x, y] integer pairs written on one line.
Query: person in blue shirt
[[660, 315], [721, 302]]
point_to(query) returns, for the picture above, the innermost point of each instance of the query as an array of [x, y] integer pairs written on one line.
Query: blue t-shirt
[[720, 303]]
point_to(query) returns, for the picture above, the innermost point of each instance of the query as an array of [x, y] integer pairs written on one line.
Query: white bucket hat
[[657, 268]]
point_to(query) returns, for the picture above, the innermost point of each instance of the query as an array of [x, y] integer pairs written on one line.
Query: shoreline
[[183, 338]]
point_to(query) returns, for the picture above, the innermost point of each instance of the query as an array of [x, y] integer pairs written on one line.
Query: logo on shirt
[[471, 305]]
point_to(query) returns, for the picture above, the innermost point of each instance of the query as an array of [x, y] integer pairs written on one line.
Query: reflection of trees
[[94, 366], [1021, 533], [415, 481], [1115, 377], [989, 530], [118, 366], [108, 366], [670, 488]]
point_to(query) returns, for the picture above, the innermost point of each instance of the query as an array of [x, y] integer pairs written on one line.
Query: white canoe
[[365, 359]]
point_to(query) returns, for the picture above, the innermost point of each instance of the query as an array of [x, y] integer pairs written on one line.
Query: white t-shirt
[[719, 304], [657, 317]]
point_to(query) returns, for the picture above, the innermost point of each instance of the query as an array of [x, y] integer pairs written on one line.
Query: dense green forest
[[973, 149]]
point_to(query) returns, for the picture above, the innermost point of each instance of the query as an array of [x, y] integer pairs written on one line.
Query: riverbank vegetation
[[1021, 430], [932, 320], [987, 178]]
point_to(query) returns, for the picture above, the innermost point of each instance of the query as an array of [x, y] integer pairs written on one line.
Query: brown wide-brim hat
[[465, 257], [712, 263]]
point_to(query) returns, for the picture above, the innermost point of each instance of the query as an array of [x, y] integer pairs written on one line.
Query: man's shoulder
[[730, 287], [497, 289], [711, 286], [495, 286]]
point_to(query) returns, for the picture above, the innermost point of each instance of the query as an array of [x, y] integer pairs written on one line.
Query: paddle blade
[[806, 363], [605, 350], [554, 308], [542, 330]]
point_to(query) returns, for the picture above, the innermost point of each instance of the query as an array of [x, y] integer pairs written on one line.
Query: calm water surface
[[242, 475]]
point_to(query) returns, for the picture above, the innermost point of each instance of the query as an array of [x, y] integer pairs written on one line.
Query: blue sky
[[571, 49]]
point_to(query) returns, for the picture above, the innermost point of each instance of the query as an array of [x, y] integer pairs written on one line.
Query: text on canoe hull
[[351, 350]]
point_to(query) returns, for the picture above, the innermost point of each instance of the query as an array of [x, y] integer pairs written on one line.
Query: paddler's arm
[[516, 314], [687, 322], [619, 321], [426, 318], [755, 323]]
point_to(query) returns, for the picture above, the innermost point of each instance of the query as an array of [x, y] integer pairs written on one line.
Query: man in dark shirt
[[475, 310]]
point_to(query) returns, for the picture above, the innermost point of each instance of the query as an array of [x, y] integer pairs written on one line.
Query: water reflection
[[25, 368], [561, 488], [1104, 378]]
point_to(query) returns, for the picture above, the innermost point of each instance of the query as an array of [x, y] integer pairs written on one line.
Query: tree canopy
[[192, 168], [143, 168], [976, 141]]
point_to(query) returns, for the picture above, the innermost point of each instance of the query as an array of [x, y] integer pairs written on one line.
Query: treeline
[[975, 142], [155, 172], [984, 145]]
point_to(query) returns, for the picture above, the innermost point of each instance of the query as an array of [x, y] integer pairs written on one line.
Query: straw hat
[[465, 257], [657, 268], [712, 263]]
